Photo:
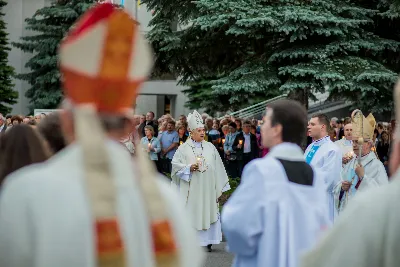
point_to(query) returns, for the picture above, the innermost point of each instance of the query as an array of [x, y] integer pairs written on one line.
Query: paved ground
[[218, 257]]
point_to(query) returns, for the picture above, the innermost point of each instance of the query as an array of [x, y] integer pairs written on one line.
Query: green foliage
[[238, 50], [234, 183], [49, 26], [7, 94]]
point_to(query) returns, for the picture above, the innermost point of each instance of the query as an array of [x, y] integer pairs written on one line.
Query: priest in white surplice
[[279, 209], [346, 143], [91, 205], [199, 175], [360, 173], [367, 233], [324, 156]]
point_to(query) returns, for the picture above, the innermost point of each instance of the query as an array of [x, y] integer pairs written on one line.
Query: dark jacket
[[254, 147], [152, 124], [4, 128]]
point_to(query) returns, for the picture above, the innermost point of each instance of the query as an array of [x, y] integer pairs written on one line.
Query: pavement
[[218, 257]]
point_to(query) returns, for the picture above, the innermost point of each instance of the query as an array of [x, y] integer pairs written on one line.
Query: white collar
[[193, 143], [287, 151], [322, 140]]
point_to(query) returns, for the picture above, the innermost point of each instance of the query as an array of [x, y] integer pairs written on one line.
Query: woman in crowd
[[238, 125], [19, 147], [221, 142], [15, 120], [182, 130], [162, 128], [214, 134], [151, 145], [230, 154]]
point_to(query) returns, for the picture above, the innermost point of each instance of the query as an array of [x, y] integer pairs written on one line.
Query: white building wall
[[18, 10], [15, 13]]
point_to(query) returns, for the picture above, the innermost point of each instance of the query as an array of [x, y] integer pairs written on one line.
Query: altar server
[[324, 156], [364, 170], [200, 177], [367, 233], [280, 209], [90, 204]]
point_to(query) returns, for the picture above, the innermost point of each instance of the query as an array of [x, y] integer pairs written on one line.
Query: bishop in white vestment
[[362, 173], [325, 157], [91, 205], [200, 177], [279, 210]]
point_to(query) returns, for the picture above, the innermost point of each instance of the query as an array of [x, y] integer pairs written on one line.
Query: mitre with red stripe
[[104, 60]]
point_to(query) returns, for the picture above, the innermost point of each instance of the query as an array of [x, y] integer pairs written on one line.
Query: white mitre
[[195, 121]]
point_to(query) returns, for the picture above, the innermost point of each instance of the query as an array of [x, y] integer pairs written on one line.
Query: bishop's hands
[[360, 171], [194, 167], [345, 160], [346, 185]]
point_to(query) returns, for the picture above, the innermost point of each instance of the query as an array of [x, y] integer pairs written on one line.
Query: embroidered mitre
[[104, 60], [362, 126], [195, 121]]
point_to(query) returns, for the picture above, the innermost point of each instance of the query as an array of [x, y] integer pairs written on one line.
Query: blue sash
[[311, 153]]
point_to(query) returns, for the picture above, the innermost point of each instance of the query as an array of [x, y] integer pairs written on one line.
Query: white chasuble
[[46, 220], [269, 220], [326, 158], [366, 234], [374, 175], [200, 190]]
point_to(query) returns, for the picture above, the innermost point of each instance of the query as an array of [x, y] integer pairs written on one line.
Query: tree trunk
[[300, 95]]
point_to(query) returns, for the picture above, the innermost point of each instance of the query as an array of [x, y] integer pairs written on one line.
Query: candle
[[223, 140], [149, 146], [199, 162], [240, 142], [180, 143]]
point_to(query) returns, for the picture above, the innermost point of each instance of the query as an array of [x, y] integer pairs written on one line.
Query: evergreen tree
[[49, 24], [7, 95], [247, 49]]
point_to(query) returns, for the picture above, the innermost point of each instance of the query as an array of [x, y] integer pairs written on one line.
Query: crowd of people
[[238, 141]]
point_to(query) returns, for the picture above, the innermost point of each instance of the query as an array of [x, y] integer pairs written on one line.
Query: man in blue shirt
[[169, 143]]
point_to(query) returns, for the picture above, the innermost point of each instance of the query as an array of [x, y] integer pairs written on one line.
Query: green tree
[[7, 94], [49, 26], [247, 49]]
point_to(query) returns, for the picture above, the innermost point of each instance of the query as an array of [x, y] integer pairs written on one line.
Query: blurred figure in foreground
[[19, 147], [91, 204]]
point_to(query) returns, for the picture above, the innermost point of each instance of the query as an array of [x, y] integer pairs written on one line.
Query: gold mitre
[[362, 126]]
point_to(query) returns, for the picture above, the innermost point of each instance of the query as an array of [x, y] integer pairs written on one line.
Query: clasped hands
[[194, 167], [360, 173]]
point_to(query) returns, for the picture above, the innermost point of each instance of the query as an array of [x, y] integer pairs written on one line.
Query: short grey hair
[[150, 128]]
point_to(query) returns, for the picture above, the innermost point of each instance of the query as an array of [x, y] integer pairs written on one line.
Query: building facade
[[159, 96]]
